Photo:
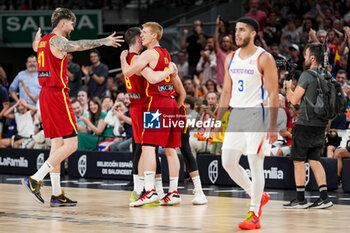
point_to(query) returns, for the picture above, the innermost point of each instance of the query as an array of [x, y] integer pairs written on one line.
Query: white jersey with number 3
[[248, 89]]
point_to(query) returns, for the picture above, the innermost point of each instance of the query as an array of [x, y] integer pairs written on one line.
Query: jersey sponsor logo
[[165, 88], [134, 95], [151, 120], [82, 165], [213, 171], [44, 74], [242, 71], [42, 44]]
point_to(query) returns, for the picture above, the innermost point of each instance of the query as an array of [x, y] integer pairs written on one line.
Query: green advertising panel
[[18, 28]]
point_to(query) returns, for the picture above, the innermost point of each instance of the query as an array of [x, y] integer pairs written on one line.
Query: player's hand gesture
[[123, 55], [38, 35], [113, 40]]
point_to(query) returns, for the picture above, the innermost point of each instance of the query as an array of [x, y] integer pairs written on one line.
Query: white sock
[[56, 183], [256, 164], [42, 172], [197, 183], [173, 184], [230, 161], [159, 187], [149, 180], [140, 184], [136, 180]]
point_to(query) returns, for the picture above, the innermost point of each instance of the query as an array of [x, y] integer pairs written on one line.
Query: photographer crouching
[[309, 132]]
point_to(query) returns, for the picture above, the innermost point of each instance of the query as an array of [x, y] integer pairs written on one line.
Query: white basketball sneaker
[[147, 198], [172, 198], [199, 198]]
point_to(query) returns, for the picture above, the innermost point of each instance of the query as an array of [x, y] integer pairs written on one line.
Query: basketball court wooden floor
[[107, 211]]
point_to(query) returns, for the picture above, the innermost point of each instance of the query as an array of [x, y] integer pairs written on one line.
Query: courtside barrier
[[22, 161], [110, 165], [279, 172]]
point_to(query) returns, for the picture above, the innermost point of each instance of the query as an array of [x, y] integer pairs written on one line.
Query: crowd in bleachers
[[100, 102]]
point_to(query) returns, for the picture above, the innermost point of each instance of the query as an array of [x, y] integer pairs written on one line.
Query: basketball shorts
[[161, 123], [56, 112], [136, 119], [247, 132]]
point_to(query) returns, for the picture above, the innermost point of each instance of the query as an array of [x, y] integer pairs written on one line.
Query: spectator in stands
[[182, 64], [23, 113], [124, 116], [191, 86], [83, 99], [206, 66], [341, 78], [281, 124], [79, 112], [74, 76], [200, 141], [120, 97], [98, 129], [295, 56], [96, 75], [193, 44], [333, 43], [275, 52], [272, 29], [255, 13], [222, 49], [26, 82], [289, 35], [3, 76], [340, 154], [107, 104], [332, 142], [287, 132], [111, 88], [210, 85], [224, 29], [304, 31]]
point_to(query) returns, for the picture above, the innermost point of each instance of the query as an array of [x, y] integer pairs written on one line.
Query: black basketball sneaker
[[61, 200], [33, 186]]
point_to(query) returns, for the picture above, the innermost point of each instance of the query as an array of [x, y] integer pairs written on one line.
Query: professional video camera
[[283, 64]]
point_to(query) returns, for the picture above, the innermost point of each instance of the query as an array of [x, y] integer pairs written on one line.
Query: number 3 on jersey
[[240, 85]]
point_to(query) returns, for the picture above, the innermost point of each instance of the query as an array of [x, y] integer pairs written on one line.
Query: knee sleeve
[[136, 158], [158, 164], [190, 161]]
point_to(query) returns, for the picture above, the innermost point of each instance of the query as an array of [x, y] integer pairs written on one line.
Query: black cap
[[249, 21]]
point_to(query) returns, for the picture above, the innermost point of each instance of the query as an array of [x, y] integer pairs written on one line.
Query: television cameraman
[[309, 131]]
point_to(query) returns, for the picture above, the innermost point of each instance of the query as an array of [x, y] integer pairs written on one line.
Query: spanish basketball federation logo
[[307, 171], [213, 171], [40, 160], [151, 120], [82, 165]]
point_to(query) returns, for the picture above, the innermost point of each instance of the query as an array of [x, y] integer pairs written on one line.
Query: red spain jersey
[[165, 87], [135, 84], [52, 71]]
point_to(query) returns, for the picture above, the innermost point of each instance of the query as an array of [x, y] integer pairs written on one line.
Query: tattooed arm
[[65, 45]]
